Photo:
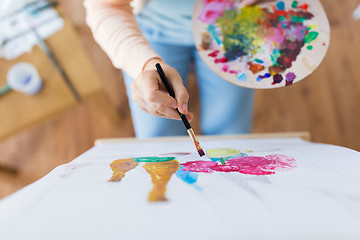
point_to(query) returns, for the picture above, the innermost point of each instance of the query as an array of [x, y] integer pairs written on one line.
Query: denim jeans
[[224, 108]]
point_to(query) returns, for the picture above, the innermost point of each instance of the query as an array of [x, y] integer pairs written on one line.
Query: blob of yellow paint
[[120, 167], [160, 173], [222, 152]]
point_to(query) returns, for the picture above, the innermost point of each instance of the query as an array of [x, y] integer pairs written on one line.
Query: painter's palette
[[269, 45]]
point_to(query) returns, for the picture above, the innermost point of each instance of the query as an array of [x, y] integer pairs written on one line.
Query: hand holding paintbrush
[[150, 94], [182, 116]]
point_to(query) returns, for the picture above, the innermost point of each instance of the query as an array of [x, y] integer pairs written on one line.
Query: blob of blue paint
[[224, 159], [211, 29], [280, 5], [187, 176], [259, 77], [242, 77]]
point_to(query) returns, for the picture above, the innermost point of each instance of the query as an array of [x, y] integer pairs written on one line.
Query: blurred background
[[54, 127]]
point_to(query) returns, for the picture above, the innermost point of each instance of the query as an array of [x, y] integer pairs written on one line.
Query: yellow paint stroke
[[120, 167], [311, 27], [222, 152], [160, 173]]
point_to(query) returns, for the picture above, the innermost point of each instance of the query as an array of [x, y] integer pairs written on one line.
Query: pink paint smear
[[213, 9], [253, 165]]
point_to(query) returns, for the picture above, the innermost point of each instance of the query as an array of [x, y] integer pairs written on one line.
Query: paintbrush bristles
[[201, 153], [196, 142]]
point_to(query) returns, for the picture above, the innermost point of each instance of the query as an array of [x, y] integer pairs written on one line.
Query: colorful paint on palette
[[268, 39]]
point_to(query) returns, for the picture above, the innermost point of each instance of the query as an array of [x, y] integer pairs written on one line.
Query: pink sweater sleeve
[[115, 30]]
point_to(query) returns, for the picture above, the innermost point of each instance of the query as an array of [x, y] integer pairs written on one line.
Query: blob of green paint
[[298, 19], [311, 36], [294, 4], [153, 159], [309, 47]]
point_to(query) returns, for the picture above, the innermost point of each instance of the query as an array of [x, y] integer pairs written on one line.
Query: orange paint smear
[[120, 167], [160, 173], [255, 68]]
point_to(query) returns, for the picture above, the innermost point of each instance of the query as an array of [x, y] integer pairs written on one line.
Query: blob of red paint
[[225, 68], [254, 165], [214, 53], [221, 60], [304, 6]]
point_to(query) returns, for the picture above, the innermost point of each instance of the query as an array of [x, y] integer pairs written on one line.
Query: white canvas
[[318, 199]]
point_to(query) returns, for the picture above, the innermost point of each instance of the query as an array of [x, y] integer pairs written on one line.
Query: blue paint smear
[[227, 158], [280, 5], [242, 77], [260, 77], [211, 29], [188, 177], [215, 159], [24, 80]]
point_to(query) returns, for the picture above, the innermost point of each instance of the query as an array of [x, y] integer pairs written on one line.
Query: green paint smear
[[294, 4], [275, 55], [311, 36], [222, 161], [153, 159], [309, 47], [298, 19]]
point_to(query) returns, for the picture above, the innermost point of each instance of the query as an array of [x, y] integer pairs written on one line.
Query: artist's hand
[[149, 92]]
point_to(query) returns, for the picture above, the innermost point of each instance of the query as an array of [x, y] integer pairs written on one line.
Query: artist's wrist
[[150, 64]]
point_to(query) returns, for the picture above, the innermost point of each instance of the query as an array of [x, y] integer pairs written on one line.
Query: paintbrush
[[6, 88], [189, 129], [45, 48]]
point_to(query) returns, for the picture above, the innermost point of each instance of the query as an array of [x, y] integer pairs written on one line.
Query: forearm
[[114, 28]]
